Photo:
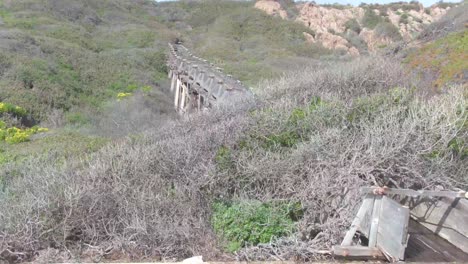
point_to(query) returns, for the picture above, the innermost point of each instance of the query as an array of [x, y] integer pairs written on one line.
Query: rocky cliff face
[[344, 27], [272, 8]]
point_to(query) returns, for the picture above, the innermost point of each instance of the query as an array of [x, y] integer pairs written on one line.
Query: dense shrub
[[356, 41], [404, 19], [252, 222], [371, 19], [6, 108], [14, 135], [412, 5], [454, 21], [353, 25], [387, 29]]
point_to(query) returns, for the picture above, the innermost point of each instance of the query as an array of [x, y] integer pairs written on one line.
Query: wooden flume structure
[[198, 85]]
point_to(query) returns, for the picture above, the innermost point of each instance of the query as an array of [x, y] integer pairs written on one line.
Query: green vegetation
[[371, 19], [252, 222], [272, 178], [72, 56], [443, 4], [54, 146], [63, 62], [412, 5], [14, 135], [337, 6], [290, 7], [404, 19], [251, 178], [353, 25], [387, 29], [6, 108], [446, 58]]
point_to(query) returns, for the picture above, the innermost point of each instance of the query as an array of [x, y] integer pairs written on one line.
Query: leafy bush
[[223, 159], [387, 29], [371, 19], [14, 135], [121, 96], [6, 108], [356, 41], [413, 5], [404, 19], [353, 25], [251, 222]]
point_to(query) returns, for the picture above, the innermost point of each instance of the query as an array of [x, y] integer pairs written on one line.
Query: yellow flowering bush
[[121, 96], [11, 109], [14, 135]]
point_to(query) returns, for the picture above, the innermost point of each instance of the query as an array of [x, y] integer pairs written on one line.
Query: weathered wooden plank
[[414, 193], [425, 246], [446, 217], [367, 205], [184, 93], [177, 93], [375, 222], [392, 234], [173, 82], [357, 252]]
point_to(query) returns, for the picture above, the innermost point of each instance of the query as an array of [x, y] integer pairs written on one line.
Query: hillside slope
[[65, 62], [276, 179], [357, 29], [72, 56], [242, 40], [440, 53]]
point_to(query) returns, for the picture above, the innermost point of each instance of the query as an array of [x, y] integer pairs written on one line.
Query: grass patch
[[244, 223]]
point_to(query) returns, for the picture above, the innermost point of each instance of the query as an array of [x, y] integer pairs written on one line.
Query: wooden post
[[182, 100], [187, 97], [199, 102], [173, 82], [177, 92]]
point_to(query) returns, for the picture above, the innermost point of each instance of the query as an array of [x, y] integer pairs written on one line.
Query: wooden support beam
[[367, 205], [414, 193], [199, 102], [182, 100], [173, 82], [357, 252], [177, 93], [375, 222], [187, 97]]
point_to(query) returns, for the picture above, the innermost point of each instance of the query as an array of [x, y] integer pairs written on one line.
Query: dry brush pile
[[313, 138]]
